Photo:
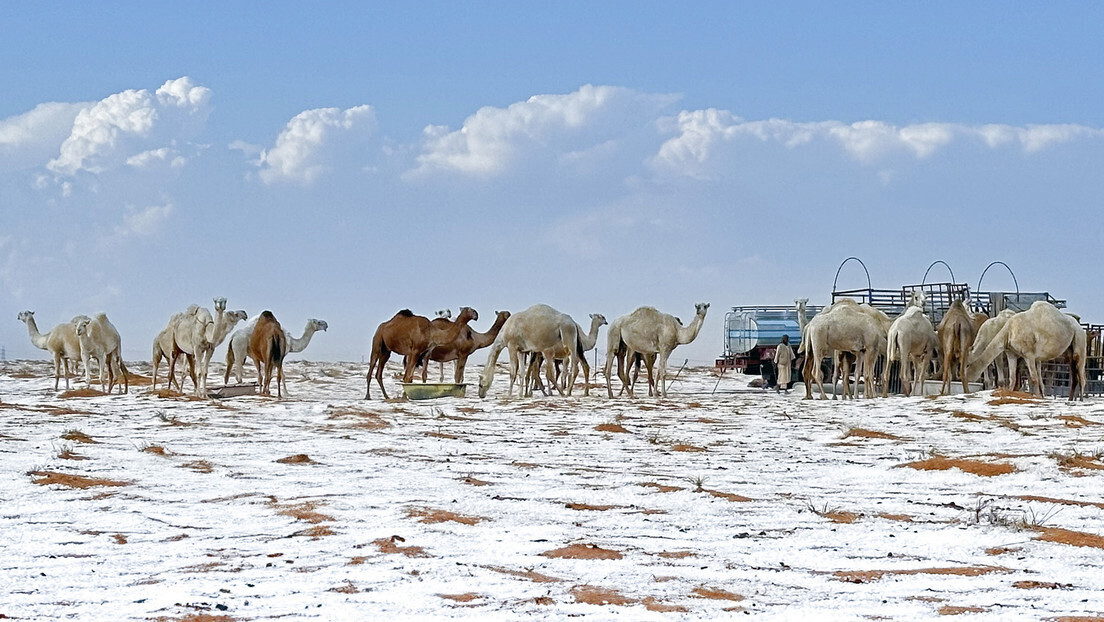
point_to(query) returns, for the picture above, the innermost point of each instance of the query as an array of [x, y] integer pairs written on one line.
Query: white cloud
[[29, 139], [493, 138], [157, 157], [699, 133], [313, 142], [143, 223], [110, 132]]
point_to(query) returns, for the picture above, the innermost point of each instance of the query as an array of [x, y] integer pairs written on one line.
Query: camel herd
[[539, 335], [968, 343]]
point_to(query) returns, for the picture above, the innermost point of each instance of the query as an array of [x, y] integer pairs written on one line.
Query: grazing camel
[[647, 331], [61, 342], [467, 342], [956, 336], [237, 350], [540, 328], [1007, 368], [414, 337], [100, 340], [1040, 334], [584, 343], [268, 347]]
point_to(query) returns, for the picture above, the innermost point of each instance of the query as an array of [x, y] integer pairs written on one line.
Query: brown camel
[[467, 342], [268, 345], [956, 331], [413, 336]]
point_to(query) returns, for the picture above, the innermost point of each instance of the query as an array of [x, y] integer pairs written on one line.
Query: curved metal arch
[[836, 280], [925, 279], [1014, 281]]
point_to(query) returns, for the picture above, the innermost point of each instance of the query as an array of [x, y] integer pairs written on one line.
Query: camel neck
[[37, 338]]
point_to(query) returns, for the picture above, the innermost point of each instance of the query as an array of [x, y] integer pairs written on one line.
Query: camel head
[[318, 324], [467, 314], [233, 317], [598, 319], [917, 298], [701, 308], [82, 326], [220, 304], [445, 313], [24, 316]]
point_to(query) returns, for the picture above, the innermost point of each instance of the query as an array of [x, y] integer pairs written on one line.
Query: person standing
[[783, 364]]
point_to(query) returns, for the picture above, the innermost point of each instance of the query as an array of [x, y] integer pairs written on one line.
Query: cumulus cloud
[[699, 134], [493, 138], [313, 142], [29, 139], [125, 125]]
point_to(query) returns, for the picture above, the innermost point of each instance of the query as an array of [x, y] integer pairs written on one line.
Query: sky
[[343, 161]]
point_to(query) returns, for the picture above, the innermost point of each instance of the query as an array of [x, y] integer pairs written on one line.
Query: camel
[[540, 328], [619, 351], [584, 343], [198, 335], [649, 331], [268, 347], [1040, 334], [238, 348], [100, 340], [414, 337], [845, 328], [466, 343], [1006, 369], [162, 348], [956, 336], [61, 342], [910, 339]]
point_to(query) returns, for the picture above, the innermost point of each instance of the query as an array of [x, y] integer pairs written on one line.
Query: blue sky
[[346, 160]]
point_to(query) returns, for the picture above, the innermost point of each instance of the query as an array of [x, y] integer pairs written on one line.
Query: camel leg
[[550, 371], [606, 372], [586, 376], [176, 352], [279, 380], [623, 372], [661, 373]]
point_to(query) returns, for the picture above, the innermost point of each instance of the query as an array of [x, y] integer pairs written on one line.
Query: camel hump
[[266, 314], [405, 313]]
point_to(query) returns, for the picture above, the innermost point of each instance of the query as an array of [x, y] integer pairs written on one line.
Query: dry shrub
[[1008, 396], [471, 481], [119, 538], [155, 449], [199, 466], [78, 437], [1074, 461], [660, 487], [903, 518], [611, 427], [588, 507], [708, 420], [461, 598], [45, 478], [431, 516], [652, 604], [728, 496], [138, 380], [389, 546], [297, 459], [1041, 585], [346, 588], [675, 554], [864, 433], [582, 551], [593, 595], [839, 516], [318, 531], [76, 393], [169, 394], [444, 435], [868, 576], [961, 414], [687, 448], [1077, 421], [525, 465], [949, 610], [304, 511], [67, 454], [715, 594], [543, 600], [1067, 536], [529, 575], [976, 467], [1002, 550], [1094, 504]]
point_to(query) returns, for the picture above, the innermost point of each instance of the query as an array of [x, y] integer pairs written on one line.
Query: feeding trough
[[431, 390], [232, 390]]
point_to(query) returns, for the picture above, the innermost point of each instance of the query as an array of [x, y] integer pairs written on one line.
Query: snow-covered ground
[[547, 508]]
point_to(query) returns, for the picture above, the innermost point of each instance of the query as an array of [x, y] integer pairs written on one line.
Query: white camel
[[100, 340], [910, 340], [1007, 367], [238, 348], [585, 343], [647, 331], [1040, 334], [540, 328], [61, 342], [198, 335], [163, 348], [845, 329]]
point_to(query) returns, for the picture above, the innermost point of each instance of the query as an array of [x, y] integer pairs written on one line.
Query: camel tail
[[892, 347], [278, 347]]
